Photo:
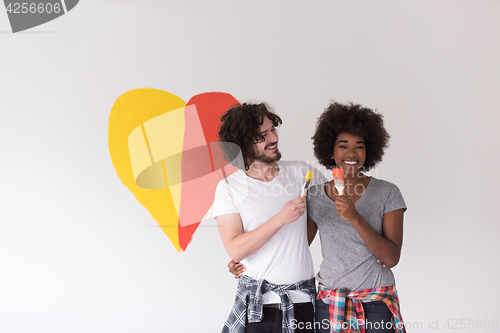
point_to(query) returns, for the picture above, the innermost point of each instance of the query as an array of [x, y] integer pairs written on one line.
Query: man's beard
[[268, 159]]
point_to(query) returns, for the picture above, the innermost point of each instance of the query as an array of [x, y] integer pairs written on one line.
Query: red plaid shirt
[[346, 311]]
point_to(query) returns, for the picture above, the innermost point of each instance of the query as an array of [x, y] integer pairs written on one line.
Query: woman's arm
[[236, 268], [312, 228], [386, 247]]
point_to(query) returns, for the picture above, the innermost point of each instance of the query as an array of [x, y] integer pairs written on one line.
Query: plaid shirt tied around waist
[[248, 303], [346, 310]]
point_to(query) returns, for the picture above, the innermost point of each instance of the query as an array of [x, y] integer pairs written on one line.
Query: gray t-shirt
[[347, 261]]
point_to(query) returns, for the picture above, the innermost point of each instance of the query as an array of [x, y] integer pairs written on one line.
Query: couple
[[262, 225]]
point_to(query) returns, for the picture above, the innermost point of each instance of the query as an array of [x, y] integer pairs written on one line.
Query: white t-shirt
[[285, 258]]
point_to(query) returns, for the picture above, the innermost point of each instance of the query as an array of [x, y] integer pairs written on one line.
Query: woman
[[361, 229]]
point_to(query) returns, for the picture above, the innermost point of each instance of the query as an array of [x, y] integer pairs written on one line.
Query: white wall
[[80, 254]]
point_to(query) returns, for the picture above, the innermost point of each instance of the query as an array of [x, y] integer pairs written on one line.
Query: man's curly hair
[[240, 125], [353, 119]]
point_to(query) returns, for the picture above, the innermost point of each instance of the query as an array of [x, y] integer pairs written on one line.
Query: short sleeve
[[318, 177], [224, 201], [313, 198], [394, 200]]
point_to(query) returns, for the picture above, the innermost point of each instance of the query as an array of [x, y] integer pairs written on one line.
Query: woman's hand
[[236, 268], [345, 208]]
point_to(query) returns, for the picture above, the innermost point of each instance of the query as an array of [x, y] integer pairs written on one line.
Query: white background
[[78, 253]]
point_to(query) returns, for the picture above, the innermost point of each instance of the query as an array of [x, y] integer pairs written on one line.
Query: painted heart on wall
[[167, 153]]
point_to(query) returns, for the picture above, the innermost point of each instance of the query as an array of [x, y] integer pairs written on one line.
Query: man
[[262, 224]]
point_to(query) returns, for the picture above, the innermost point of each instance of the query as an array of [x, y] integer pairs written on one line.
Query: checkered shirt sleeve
[[346, 310], [248, 303]]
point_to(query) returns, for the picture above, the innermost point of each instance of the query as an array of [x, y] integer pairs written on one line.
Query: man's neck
[[263, 171]]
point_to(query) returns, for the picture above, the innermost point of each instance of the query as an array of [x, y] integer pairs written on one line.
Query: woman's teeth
[[350, 162]]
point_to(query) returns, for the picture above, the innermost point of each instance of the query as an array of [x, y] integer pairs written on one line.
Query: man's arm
[[240, 245]]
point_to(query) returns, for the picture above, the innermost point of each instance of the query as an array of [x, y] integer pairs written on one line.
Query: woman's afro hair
[[353, 119]]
